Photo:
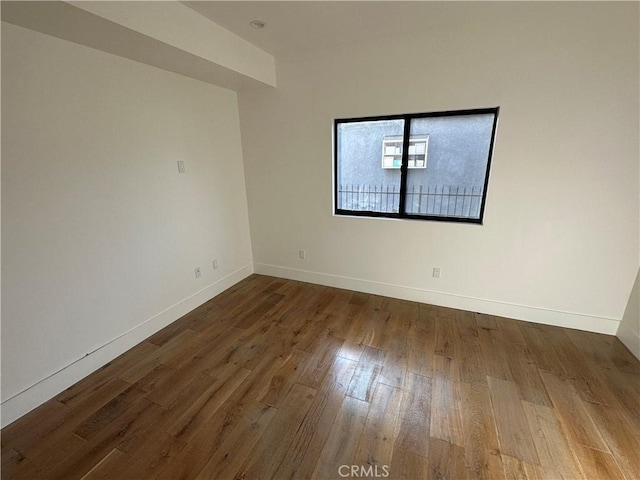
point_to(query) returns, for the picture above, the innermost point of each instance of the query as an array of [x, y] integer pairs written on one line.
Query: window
[[392, 151], [435, 166]]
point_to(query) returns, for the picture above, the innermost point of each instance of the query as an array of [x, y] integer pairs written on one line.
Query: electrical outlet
[[198, 272], [302, 254], [436, 272], [214, 263], [181, 166]]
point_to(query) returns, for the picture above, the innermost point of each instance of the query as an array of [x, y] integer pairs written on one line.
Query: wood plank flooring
[[287, 380]]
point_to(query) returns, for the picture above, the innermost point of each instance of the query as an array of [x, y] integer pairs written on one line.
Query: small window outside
[[392, 151], [428, 166]]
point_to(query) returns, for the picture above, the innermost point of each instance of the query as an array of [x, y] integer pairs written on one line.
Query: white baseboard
[[577, 321], [30, 398], [38, 393], [630, 338]]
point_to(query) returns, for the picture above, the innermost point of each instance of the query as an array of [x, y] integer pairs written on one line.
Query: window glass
[[429, 166], [364, 182], [452, 184]]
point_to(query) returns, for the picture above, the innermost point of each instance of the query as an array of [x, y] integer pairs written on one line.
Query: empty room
[[320, 240]]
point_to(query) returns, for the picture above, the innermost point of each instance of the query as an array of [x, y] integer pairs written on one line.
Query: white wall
[[560, 240], [629, 329], [100, 232]]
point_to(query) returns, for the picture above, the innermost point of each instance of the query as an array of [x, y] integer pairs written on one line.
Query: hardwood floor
[[287, 380]]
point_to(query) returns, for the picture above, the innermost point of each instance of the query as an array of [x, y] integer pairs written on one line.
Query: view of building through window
[[447, 165]]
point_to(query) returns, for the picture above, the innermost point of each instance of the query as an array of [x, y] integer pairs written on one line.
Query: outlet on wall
[[302, 254], [436, 272], [181, 166], [198, 272], [214, 263]]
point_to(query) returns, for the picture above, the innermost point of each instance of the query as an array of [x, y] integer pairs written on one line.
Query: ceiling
[[298, 26], [176, 36]]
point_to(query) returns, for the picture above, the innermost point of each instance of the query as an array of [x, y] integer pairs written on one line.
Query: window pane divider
[[442, 201], [404, 168]]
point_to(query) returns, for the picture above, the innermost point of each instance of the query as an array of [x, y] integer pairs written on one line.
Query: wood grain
[[266, 457], [446, 423], [551, 445], [415, 416], [573, 412], [281, 379], [480, 439], [513, 431], [381, 430], [305, 449], [446, 461], [366, 377], [340, 447]]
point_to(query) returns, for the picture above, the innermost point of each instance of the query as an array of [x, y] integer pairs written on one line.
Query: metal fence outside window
[[441, 200]]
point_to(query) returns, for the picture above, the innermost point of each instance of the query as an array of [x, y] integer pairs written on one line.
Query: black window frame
[[407, 117]]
